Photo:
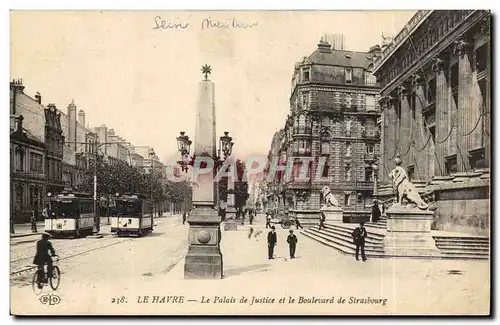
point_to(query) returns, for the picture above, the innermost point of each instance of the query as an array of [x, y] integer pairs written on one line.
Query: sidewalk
[[410, 286]]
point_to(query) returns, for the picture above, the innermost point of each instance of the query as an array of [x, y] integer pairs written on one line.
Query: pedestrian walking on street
[[292, 243], [322, 219], [46, 212], [297, 224], [271, 242], [33, 222], [359, 234], [184, 217], [250, 217], [268, 220]]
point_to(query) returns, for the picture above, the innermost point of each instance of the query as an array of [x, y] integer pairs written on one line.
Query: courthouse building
[[333, 114], [435, 100]]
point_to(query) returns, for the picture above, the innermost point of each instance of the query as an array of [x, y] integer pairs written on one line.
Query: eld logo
[[50, 299]]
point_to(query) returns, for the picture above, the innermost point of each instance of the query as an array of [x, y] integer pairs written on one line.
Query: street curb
[[24, 235]]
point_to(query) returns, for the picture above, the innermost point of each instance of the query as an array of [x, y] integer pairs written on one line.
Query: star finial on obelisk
[[206, 70]]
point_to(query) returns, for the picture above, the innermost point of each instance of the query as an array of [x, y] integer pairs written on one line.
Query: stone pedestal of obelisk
[[204, 258]]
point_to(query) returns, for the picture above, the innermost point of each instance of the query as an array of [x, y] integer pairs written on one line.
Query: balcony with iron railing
[[374, 135], [301, 152], [302, 131], [370, 156]]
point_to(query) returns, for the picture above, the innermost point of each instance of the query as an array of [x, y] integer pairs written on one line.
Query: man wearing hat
[[292, 243], [271, 242], [44, 251]]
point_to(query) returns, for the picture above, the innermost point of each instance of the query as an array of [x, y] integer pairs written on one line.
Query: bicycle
[[41, 278]]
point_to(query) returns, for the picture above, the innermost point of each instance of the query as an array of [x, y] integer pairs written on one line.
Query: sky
[[142, 81]]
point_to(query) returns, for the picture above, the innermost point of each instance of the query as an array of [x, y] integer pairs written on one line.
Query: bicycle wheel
[[34, 284], [285, 224], [55, 278]]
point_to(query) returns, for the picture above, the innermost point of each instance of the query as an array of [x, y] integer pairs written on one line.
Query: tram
[[70, 214], [133, 216]]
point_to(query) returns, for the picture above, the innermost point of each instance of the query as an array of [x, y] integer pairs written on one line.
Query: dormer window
[[306, 74], [348, 75]]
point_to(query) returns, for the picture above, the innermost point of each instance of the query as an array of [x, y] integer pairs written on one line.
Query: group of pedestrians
[[272, 241]]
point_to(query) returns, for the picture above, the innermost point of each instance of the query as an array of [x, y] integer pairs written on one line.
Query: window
[[325, 148], [306, 74], [348, 100], [370, 102], [451, 164], [326, 121], [454, 76], [482, 58], [370, 147], [348, 150], [36, 162], [431, 91], [305, 100], [413, 99], [326, 170], [347, 198], [348, 173], [19, 159], [411, 172], [348, 128], [19, 195], [302, 121], [348, 76], [368, 174]]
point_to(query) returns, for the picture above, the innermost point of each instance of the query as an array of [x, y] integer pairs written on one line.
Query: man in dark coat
[[297, 223], [322, 219], [292, 243], [184, 217], [44, 251], [375, 212], [271, 242], [359, 234]]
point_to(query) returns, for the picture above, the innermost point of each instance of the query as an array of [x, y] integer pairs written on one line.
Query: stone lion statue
[[329, 197], [404, 188]]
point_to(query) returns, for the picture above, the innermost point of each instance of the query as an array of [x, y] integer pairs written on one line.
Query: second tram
[[133, 216]]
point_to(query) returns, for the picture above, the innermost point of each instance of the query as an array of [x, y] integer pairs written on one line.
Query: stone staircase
[[338, 237], [463, 247]]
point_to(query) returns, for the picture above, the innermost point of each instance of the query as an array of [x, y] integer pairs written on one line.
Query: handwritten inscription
[[207, 23], [160, 23]]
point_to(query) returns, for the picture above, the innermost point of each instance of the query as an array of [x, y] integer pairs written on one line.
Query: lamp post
[[375, 180], [95, 145], [152, 156]]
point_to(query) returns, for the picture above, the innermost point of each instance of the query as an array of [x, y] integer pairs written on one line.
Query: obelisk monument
[[204, 258]]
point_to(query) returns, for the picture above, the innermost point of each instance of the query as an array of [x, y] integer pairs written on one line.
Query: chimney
[[81, 117], [72, 125], [337, 41], [38, 98], [324, 47], [17, 85]]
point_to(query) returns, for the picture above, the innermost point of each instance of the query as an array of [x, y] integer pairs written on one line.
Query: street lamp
[[225, 145], [184, 145], [375, 180]]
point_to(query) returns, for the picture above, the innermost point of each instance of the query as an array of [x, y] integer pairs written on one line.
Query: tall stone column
[[405, 135], [442, 107], [465, 104], [204, 258]]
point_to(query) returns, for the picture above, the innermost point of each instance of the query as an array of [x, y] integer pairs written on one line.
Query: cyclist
[[44, 251]]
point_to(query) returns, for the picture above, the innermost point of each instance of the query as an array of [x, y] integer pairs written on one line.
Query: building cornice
[[432, 52], [416, 20]]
